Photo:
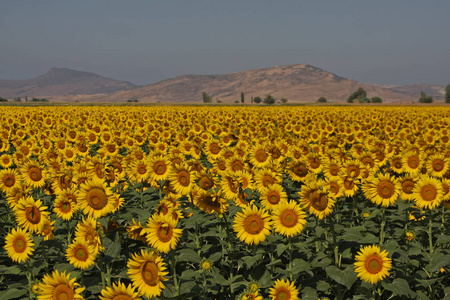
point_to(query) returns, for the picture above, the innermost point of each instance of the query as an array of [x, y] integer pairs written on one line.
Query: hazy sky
[[384, 41]]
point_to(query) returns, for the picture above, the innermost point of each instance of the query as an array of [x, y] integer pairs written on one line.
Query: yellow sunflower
[[161, 232], [437, 165], [265, 177], [66, 204], [407, 184], [314, 197], [298, 170], [59, 286], [259, 156], [95, 198], [160, 167], [138, 170], [33, 174], [428, 192], [87, 230], [80, 254], [252, 225], [412, 162], [136, 231], [382, 190], [18, 245], [182, 179], [250, 296], [31, 215], [288, 218], [6, 161], [283, 290], [272, 196], [372, 265], [147, 271], [119, 291], [9, 179], [211, 202]]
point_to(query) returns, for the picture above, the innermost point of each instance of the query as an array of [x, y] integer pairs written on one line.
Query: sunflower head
[[372, 264]]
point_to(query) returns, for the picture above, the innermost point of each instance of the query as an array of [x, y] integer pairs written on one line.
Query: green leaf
[[14, 269], [299, 265], [346, 277], [309, 293], [353, 234], [323, 286], [281, 248], [189, 255], [438, 260], [443, 239], [13, 294], [215, 256], [250, 260], [399, 287], [114, 250]]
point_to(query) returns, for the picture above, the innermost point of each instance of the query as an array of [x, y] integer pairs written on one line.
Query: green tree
[[269, 99], [257, 100], [359, 93], [321, 100], [3, 99], [447, 93], [376, 99], [206, 98], [424, 98], [283, 100], [242, 97]]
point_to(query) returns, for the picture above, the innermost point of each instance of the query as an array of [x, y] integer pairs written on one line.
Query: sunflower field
[[180, 202]]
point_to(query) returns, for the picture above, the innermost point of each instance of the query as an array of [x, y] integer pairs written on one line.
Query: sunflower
[[259, 156], [138, 170], [407, 184], [147, 271], [87, 230], [288, 218], [182, 179], [383, 190], [265, 177], [437, 165], [211, 202], [95, 198], [283, 290], [62, 182], [335, 187], [412, 162], [31, 215], [314, 196], [428, 192], [136, 231], [298, 170], [249, 295], [161, 232], [205, 180], [272, 196], [9, 179], [18, 245], [33, 174], [59, 286], [47, 231], [332, 168], [80, 254], [159, 167], [15, 194], [315, 162], [372, 265], [252, 225], [350, 186], [6, 161], [119, 291]]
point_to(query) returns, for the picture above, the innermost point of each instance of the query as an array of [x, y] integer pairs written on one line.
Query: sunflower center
[[374, 264], [407, 186], [69, 153], [385, 189], [214, 148], [261, 155], [63, 292], [353, 171], [428, 192], [184, 178], [273, 197], [149, 272], [122, 297], [9, 180], [160, 168], [334, 187], [66, 207], [283, 294], [413, 162], [33, 214], [397, 163], [96, 198], [368, 161], [314, 162], [81, 253], [20, 244], [349, 183], [205, 183], [288, 218], [253, 224], [438, 165], [35, 173], [267, 180], [165, 233], [318, 200], [334, 170], [141, 169], [300, 170]]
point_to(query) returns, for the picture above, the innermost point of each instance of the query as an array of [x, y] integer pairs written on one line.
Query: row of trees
[[268, 99], [18, 99]]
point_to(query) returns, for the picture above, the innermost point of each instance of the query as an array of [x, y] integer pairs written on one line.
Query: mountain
[[297, 83], [62, 82]]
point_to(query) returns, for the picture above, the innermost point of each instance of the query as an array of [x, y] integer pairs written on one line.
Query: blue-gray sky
[[385, 41]]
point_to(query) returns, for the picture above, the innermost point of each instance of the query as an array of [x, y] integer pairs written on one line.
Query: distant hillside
[[62, 82], [297, 83]]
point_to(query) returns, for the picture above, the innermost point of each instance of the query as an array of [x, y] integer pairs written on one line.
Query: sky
[[143, 41]]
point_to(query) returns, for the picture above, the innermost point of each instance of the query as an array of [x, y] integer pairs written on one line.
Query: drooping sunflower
[[252, 225], [87, 230], [31, 215], [272, 196], [59, 286], [249, 295], [428, 192], [437, 165], [15, 194], [147, 271], [66, 204], [33, 174], [350, 186], [314, 197], [119, 291], [160, 167], [95, 198], [298, 170], [205, 180], [162, 233], [283, 290], [382, 190], [211, 202], [182, 179], [9, 179], [47, 231], [80, 254], [19, 245], [372, 265], [136, 231], [288, 218]]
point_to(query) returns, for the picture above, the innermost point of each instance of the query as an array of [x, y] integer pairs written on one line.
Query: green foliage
[[322, 100], [39, 99], [447, 93], [359, 93], [257, 100], [133, 100], [242, 97], [376, 99], [424, 98], [206, 98], [269, 100], [3, 99], [17, 99], [283, 100]]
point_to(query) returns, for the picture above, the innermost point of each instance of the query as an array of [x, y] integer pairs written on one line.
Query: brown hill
[[297, 83], [62, 82]]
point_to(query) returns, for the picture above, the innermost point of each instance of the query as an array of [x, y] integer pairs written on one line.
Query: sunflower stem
[[430, 231], [383, 223], [30, 280], [230, 252], [335, 244], [69, 236], [173, 263], [290, 257], [102, 270], [317, 243]]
